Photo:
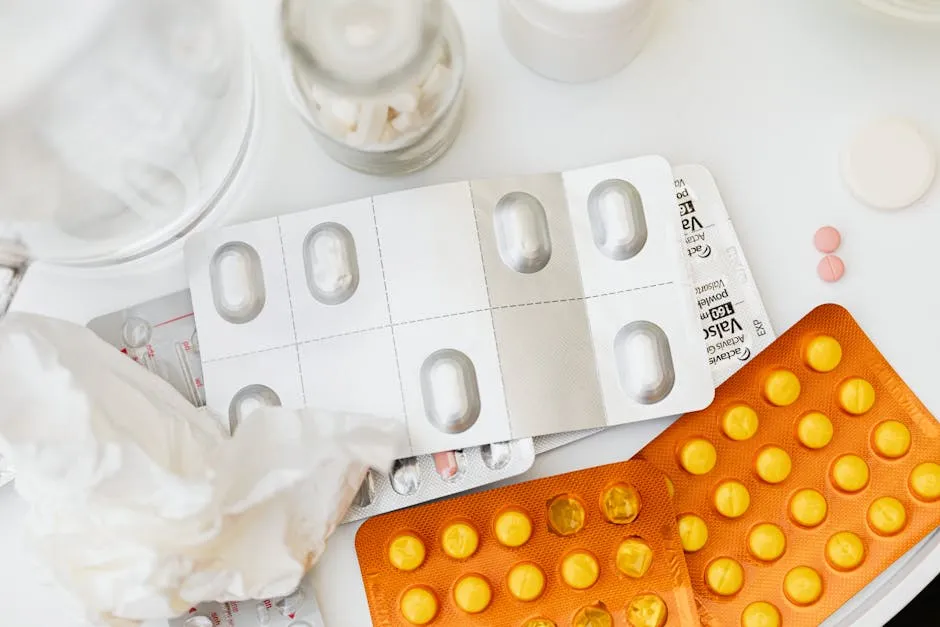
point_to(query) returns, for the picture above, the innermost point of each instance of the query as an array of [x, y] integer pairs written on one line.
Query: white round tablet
[[889, 164]]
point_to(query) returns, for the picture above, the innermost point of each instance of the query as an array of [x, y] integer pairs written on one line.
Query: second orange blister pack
[[591, 548], [815, 468]]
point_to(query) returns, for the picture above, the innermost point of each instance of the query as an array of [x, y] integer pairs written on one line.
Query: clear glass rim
[[174, 232], [450, 32], [438, 14]]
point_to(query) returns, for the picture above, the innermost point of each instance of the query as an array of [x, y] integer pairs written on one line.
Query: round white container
[[916, 10], [576, 40]]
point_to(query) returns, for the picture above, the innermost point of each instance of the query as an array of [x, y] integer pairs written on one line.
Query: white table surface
[[763, 93]]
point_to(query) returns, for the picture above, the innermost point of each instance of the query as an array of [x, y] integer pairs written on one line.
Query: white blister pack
[[474, 312], [734, 322], [170, 349]]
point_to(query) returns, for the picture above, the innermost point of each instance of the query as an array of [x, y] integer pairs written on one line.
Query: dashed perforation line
[[438, 317], [388, 309], [293, 325], [489, 303]]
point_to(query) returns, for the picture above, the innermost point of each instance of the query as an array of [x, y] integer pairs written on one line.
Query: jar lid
[[360, 46], [571, 17]]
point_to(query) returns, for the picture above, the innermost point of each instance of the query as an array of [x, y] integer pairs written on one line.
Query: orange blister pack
[[592, 548], [815, 468]]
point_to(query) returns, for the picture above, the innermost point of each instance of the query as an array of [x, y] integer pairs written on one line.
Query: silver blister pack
[[414, 480], [160, 335], [298, 609], [734, 322], [472, 312]]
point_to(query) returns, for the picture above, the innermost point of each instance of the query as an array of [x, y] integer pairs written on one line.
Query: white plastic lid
[[574, 17], [361, 42], [889, 164]]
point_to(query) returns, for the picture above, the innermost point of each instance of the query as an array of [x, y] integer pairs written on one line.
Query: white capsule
[[369, 125], [332, 124], [330, 263], [345, 110], [437, 82], [389, 134], [618, 222], [644, 362], [522, 235], [405, 101], [450, 391], [408, 121], [237, 282]]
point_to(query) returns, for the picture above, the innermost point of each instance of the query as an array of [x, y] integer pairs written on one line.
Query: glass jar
[[379, 81], [122, 125]]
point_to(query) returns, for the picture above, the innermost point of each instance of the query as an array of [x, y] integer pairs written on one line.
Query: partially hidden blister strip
[[734, 322], [592, 548], [297, 609], [422, 478], [161, 336], [815, 468], [473, 312]]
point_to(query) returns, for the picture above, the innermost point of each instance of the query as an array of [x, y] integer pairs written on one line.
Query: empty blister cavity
[[618, 221], [247, 400], [136, 332], [496, 455], [450, 391], [237, 282], [366, 493], [522, 234], [330, 263], [405, 476], [644, 362]]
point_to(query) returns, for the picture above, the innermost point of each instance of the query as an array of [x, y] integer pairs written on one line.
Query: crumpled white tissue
[[140, 503]]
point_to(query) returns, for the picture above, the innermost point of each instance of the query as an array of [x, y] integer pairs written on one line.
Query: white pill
[[389, 134], [889, 164], [346, 111], [450, 391], [330, 263], [618, 222], [644, 362], [407, 121], [332, 124], [437, 82], [406, 100], [237, 282], [369, 124], [522, 237]]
